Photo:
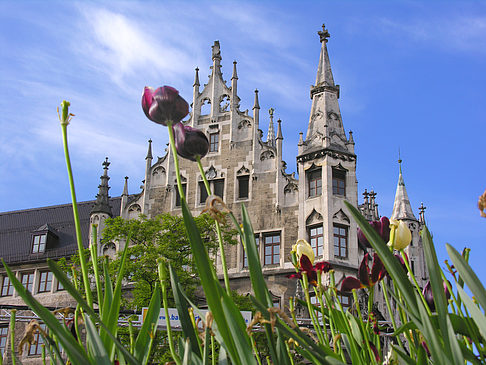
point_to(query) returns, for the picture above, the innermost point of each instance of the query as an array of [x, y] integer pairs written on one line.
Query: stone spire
[[271, 131], [279, 129], [102, 204], [149, 152], [324, 72], [402, 209], [235, 75], [256, 105], [196, 79], [325, 129], [125, 187], [216, 57], [422, 213]]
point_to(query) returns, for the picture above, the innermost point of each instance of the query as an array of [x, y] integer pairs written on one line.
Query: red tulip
[[382, 227], [190, 142], [367, 277], [311, 271], [164, 105]]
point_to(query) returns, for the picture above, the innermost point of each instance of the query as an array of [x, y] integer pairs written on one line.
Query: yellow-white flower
[[302, 247], [400, 235]]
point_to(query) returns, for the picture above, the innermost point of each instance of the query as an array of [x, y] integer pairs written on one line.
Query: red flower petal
[[296, 275], [323, 266], [377, 270], [306, 264], [364, 271], [350, 283]]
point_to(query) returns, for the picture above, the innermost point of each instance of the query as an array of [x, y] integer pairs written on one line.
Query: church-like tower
[[327, 173]]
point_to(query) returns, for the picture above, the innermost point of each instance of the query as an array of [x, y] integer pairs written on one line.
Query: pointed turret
[[422, 213], [196, 79], [234, 88], [149, 152], [325, 129], [402, 209], [279, 130], [271, 131], [102, 204], [196, 110], [124, 198], [148, 166], [256, 113]]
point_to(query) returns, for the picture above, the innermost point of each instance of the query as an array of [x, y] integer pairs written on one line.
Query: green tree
[[161, 236]]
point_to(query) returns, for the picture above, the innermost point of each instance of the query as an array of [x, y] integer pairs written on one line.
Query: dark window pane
[[243, 186], [203, 194], [340, 241], [218, 187], [316, 240], [315, 182], [178, 197], [339, 182], [213, 142], [272, 248]]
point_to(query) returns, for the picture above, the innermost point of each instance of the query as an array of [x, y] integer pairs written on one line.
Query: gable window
[[7, 288], [339, 182], [271, 243], [316, 240], [243, 186], [39, 243], [3, 338], [214, 142], [216, 186], [45, 281], [314, 181], [340, 241], [178, 197], [28, 281]]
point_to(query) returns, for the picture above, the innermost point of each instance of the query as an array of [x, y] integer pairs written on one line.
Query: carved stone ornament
[[243, 171], [245, 123], [183, 179], [313, 218], [211, 173], [339, 155], [341, 216], [266, 155], [317, 115], [135, 208], [158, 170]]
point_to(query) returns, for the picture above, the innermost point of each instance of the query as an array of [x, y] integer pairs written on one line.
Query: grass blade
[[96, 347]]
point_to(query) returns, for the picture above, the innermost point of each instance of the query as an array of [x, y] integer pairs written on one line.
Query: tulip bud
[[301, 247], [400, 235], [64, 115], [429, 296], [190, 142], [164, 105], [382, 227]]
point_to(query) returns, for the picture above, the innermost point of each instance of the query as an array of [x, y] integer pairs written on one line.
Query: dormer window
[[39, 243]]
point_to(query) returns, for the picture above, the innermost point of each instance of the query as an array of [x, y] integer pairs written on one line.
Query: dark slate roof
[[17, 228]]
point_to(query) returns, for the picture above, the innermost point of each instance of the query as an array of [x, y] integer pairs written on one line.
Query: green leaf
[[145, 336], [476, 314], [107, 303], [468, 275], [72, 348], [355, 330], [182, 306], [404, 356], [223, 356], [436, 282], [187, 353], [96, 348]]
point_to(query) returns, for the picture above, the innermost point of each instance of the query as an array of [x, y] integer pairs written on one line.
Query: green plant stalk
[[218, 230], [402, 252], [213, 351], [166, 311], [79, 239], [361, 321], [43, 348], [404, 319], [13, 312], [315, 322], [176, 160], [288, 352], [77, 313], [94, 259], [131, 336], [255, 349], [371, 296], [196, 331], [388, 307], [332, 289], [321, 303]]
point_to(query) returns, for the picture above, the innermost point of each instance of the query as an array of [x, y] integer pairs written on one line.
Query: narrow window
[[7, 288], [45, 281], [36, 348], [316, 239], [178, 197], [214, 142], [314, 179], [3, 338], [412, 263], [272, 248], [203, 193], [340, 241], [39, 243], [243, 185], [339, 182], [218, 187], [344, 299], [28, 281]]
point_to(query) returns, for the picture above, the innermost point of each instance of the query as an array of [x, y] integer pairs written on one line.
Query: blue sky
[[412, 76]]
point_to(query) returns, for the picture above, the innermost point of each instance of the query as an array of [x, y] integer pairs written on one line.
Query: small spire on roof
[[102, 204], [125, 187], [256, 105], [234, 76], [279, 129], [149, 152], [196, 78], [301, 139], [323, 34], [402, 208], [271, 131], [351, 139], [422, 213]]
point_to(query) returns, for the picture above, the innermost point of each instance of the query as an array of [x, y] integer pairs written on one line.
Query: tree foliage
[[162, 236]]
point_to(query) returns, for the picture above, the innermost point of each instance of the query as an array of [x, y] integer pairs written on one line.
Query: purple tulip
[[382, 227], [429, 296], [366, 277], [164, 105], [190, 142]]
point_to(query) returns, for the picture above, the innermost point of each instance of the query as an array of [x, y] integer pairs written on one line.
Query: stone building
[[243, 167]]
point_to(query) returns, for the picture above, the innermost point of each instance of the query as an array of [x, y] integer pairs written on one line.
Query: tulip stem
[[79, 239], [405, 259], [218, 230], [176, 161]]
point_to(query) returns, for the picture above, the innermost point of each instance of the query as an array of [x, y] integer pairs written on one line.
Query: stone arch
[[313, 218], [206, 106], [224, 103], [341, 217], [109, 250]]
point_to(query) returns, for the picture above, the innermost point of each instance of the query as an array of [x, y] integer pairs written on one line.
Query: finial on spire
[[422, 213], [256, 105], [125, 187], [271, 131], [196, 78], [279, 129], [234, 76], [149, 152], [351, 139], [105, 166], [102, 204], [301, 139], [323, 34], [216, 51]]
